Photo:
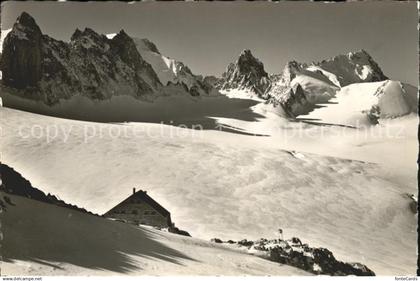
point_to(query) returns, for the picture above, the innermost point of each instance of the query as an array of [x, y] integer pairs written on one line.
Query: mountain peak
[[25, 25], [247, 73], [246, 52], [122, 33], [122, 36], [87, 32], [248, 63], [353, 67], [26, 20]]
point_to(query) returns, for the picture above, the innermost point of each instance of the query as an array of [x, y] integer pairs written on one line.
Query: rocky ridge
[[90, 65]]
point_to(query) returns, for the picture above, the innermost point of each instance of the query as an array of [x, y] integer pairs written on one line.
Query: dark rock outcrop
[[176, 230], [216, 240], [123, 45]]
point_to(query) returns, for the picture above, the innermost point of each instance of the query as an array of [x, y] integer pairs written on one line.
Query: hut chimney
[[134, 190]]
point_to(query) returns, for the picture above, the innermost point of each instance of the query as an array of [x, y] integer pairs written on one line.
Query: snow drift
[[43, 239], [363, 104]]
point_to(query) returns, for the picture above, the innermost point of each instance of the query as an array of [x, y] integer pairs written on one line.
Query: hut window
[[134, 212], [146, 212], [153, 213]]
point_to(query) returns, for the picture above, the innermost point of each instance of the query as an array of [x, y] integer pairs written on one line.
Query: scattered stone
[[246, 243], [216, 240]]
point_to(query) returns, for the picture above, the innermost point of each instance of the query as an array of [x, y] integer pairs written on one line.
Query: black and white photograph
[[209, 138]]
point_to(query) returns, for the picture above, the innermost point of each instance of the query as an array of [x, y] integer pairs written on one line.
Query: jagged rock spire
[[246, 73]]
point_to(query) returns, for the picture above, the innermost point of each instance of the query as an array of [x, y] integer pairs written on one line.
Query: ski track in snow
[[218, 184]]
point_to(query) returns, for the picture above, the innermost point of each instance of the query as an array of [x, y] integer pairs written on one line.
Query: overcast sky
[[208, 35]]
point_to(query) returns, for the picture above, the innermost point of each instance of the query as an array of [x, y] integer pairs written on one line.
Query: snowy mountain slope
[[298, 89], [331, 76], [218, 184], [170, 70], [3, 35], [320, 81], [161, 64], [316, 90], [59, 241], [362, 104]]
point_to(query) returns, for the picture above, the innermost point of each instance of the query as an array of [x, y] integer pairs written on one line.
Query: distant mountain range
[[98, 67], [90, 65], [299, 86]]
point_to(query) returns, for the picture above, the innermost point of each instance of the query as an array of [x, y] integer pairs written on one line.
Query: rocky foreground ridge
[[295, 253]]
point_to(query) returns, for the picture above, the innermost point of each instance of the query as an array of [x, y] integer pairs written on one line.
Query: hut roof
[[145, 198]]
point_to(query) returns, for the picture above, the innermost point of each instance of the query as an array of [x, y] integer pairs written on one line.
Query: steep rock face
[[21, 57], [172, 71], [246, 73], [354, 67], [91, 65], [124, 46]]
